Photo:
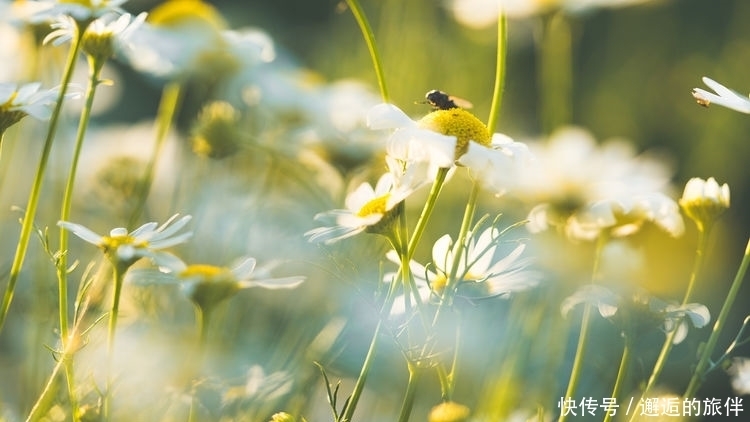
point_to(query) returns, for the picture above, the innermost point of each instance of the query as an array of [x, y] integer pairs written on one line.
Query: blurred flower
[[411, 142], [483, 13], [215, 133], [479, 274], [208, 285], [17, 102], [82, 11], [124, 248], [449, 412], [640, 306], [740, 372], [624, 216], [282, 417], [498, 165], [584, 189], [704, 200], [367, 208], [724, 97], [102, 38]]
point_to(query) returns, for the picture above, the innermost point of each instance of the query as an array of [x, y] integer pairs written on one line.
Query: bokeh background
[[632, 70]]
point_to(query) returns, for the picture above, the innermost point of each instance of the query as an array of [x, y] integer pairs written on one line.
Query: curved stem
[[36, 188], [705, 357], [497, 93], [362, 379], [170, 99], [364, 26], [424, 217], [582, 346]]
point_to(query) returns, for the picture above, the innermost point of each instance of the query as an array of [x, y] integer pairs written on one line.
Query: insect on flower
[[439, 100]]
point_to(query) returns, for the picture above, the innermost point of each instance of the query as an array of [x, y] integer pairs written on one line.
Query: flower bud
[[704, 200], [282, 417]]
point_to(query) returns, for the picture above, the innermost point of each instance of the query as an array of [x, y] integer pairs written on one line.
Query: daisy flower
[[124, 248], [369, 208], [410, 142], [80, 11], [722, 96], [647, 309], [483, 13], [480, 274], [208, 285], [17, 102], [583, 188], [498, 165], [102, 38]]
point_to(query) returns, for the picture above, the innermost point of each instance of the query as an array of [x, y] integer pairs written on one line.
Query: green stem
[[33, 201], [46, 399], [582, 346], [705, 357], [424, 217], [412, 245], [555, 72], [362, 379], [411, 393], [661, 361], [118, 273], [364, 26], [446, 298], [62, 264], [621, 376], [170, 99], [497, 93]]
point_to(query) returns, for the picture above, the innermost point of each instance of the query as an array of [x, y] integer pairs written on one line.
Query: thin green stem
[[364, 26], [424, 217], [446, 298], [118, 273], [582, 346], [411, 393], [62, 264], [705, 357], [497, 92], [362, 379], [555, 72], [33, 201], [661, 361], [170, 99], [621, 377]]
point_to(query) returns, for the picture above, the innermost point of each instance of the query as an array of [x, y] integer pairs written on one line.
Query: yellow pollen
[[375, 206], [459, 123]]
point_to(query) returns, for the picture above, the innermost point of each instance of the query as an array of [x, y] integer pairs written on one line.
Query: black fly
[[439, 100]]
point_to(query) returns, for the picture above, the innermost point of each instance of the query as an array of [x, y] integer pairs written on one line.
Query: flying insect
[[439, 100]]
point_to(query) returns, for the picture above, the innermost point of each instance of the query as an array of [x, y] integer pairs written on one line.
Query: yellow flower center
[[180, 12], [375, 206], [207, 272], [459, 123], [111, 243], [438, 285]]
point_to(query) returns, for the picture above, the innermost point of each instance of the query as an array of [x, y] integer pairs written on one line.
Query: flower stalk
[[33, 201], [705, 356]]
